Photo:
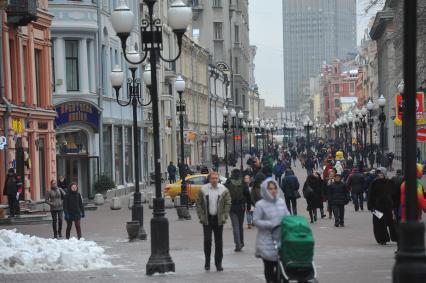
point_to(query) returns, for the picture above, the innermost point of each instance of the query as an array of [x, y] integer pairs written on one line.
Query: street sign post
[[421, 134]]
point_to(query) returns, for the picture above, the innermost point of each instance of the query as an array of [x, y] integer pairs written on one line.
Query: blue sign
[[82, 112]]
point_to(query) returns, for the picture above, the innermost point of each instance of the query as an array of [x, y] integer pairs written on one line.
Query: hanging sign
[[17, 126], [419, 109], [84, 112], [189, 137], [3, 142]]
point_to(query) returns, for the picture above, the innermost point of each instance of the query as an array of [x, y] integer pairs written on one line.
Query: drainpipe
[[2, 95]]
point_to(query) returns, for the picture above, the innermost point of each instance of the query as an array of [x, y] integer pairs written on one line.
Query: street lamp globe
[[225, 112], [117, 77], [382, 101], [244, 125], [370, 105], [133, 56], [179, 16], [249, 119], [233, 113], [179, 84], [310, 123], [122, 19], [305, 123], [146, 76], [357, 112], [240, 115], [364, 111], [262, 124]]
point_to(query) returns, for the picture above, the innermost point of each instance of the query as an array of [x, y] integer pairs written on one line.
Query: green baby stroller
[[296, 251]]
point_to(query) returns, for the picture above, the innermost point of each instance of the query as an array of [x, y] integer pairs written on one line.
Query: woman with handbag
[[313, 193]]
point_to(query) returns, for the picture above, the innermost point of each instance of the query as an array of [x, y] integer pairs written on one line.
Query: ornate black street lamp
[[225, 127], [241, 127], [249, 132], [351, 120], [183, 211], [135, 98], [370, 107], [382, 119], [364, 131], [179, 17], [410, 263], [308, 125], [267, 129], [256, 134], [262, 132], [233, 127]]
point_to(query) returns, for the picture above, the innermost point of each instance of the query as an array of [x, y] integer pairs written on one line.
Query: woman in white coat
[[268, 214]]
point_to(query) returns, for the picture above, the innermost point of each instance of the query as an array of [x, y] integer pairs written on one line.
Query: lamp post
[[225, 127], [262, 131], [179, 17], [233, 126], [351, 120], [382, 119], [308, 125], [241, 127], [183, 211], [345, 131], [135, 98], [410, 263], [249, 131], [267, 128], [370, 107], [364, 130], [257, 132]]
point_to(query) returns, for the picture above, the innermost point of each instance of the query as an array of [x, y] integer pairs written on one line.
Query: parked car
[[193, 186]]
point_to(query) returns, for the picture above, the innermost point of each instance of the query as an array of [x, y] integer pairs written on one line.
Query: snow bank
[[23, 253]]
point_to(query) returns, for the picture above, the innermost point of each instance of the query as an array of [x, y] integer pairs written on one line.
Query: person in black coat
[[338, 195], [10, 190], [290, 186], [380, 199], [171, 170], [73, 209], [356, 184], [313, 193]]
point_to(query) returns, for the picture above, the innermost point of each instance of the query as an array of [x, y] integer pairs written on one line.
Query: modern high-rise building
[[314, 31]]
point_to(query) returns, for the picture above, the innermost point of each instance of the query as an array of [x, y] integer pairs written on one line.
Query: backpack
[[297, 242]]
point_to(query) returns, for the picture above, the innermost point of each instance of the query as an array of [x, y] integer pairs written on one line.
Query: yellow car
[[193, 186]]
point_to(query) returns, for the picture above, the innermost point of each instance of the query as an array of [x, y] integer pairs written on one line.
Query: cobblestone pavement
[[348, 254]]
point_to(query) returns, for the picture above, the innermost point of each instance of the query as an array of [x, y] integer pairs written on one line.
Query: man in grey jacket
[[55, 198], [213, 205]]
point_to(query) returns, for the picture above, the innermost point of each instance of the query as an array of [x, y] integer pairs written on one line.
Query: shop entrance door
[[75, 170]]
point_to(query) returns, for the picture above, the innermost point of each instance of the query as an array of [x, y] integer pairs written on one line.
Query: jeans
[[13, 205], [57, 217], [270, 271], [218, 240], [77, 227], [339, 214], [278, 178], [291, 205], [237, 220], [249, 216], [358, 199]]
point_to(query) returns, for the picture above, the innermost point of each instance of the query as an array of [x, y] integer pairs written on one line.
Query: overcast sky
[[266, 34]]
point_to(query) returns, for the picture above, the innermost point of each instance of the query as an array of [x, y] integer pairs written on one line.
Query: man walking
[[279, 170], [171, 170], [213, 206], [235, 187], [339, 197], [356, 183], [290, 187], [11, 191], [55, 198]]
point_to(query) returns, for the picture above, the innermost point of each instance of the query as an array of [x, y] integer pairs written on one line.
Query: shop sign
[[419, 109], [17, 126], [189, 137], [3, 142], [77, 112]]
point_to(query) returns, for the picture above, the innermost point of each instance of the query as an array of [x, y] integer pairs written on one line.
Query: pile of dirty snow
[[23, 253]]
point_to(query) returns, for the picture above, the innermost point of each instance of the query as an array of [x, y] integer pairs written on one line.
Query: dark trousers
[[339, 214], [57, 217], [278, 178], [172, 179], [358, 199], [13, 205], [237, 220], [291, 205], [77, 227], [385, 228], [217, 230], [270, 271]]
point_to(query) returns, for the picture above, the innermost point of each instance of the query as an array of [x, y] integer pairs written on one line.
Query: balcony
[[21, 12], [197, 5]]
